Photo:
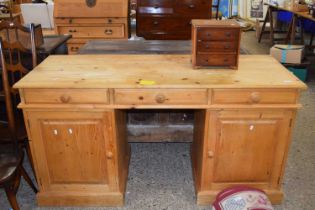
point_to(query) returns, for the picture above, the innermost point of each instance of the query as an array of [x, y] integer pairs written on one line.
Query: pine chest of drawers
[[169, 19], [215, 43], [86, 21]]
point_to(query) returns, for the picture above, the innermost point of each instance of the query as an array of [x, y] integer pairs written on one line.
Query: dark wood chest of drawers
[[169, 19], [215, 43]]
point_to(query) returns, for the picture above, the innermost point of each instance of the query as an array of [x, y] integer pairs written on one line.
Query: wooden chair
[[11, 168], [15, 54]]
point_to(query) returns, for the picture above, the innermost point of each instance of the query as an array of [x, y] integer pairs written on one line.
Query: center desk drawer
[[110, 31], [254, 96], [160, 96], [66, 96]]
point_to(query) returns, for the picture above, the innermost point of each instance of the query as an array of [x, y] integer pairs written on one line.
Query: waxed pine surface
[[160, 174]]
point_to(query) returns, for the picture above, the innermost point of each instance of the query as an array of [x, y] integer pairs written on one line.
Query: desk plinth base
[[80, 199], [207, 197]]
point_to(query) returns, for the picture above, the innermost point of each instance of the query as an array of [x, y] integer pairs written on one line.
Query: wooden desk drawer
[[217, 34], [254, 96], [156, 3], [216, 60], [110, 31], [213, 46], [193, 7], [162, 24], [160, 96], [65, 96]]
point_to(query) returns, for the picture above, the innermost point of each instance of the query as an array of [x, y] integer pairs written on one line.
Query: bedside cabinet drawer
[[111, 31], [215, 46], [160, 96], [217, 34], [216, 60], [254, 96], [65, 96]]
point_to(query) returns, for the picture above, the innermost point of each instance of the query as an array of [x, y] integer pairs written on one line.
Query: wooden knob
[[65, 98], [210, 154], [109, 155], [160, 98], [255, 97]]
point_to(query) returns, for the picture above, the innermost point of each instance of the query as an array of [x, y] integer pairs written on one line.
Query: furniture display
[[75, 106], [167, 19], [11, 153], [215, 43], [292, 28], [103, 20]]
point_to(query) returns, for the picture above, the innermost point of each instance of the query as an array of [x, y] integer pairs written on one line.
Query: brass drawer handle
[[108, 32], [72, 30], [255, 97], [160, 98], [191, 6], [75, 49], [65, 99], [155, 23]]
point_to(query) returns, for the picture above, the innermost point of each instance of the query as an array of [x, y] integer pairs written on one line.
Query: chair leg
[[28, 179], [11, 197], [311, 41]]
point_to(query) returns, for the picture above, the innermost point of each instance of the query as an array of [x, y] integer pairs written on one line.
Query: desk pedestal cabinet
[[81, 155]]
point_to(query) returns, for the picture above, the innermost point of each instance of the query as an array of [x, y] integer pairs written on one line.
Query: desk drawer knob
[[109, 155], [72, 30], [65, 98], [191, 6], [155, 23], [210, 154], [160, 98], [255, 97]]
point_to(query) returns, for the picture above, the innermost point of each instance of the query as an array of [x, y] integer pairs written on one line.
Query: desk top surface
[[155, 71]]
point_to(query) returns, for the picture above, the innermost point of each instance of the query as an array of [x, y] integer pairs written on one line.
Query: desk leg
[[271, 26], [264, 25]]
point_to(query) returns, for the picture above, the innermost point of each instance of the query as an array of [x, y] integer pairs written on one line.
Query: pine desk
[[74, 108]]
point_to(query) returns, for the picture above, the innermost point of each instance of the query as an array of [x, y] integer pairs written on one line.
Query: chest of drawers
[[169, 19], [86, 21], [215, 43]]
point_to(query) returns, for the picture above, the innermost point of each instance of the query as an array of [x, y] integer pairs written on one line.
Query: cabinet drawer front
[[73, 48], [156, 3], [151, 24], [160, 96], [110, 31], [65, 96], [217, 34], [193, 7], [70, 21], [216, 60], [213, 46], [226, 96]]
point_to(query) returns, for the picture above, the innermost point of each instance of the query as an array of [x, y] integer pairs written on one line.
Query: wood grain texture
[[166, 71]]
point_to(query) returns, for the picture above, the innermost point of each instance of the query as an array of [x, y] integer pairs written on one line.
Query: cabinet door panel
[[72, 150], [75, 151], [245, 150]]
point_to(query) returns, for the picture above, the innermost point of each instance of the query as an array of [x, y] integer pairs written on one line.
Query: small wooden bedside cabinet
[[215, 43]]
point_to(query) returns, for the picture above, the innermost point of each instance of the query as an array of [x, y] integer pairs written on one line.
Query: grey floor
[[160, 173]]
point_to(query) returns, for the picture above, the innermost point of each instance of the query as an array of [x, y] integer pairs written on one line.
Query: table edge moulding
[[75, 106]]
